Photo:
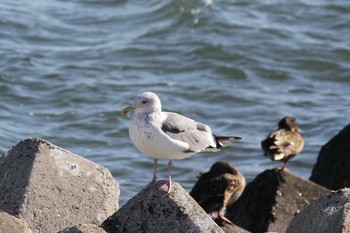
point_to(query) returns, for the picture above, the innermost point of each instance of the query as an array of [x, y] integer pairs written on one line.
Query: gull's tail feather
[[223, 141]]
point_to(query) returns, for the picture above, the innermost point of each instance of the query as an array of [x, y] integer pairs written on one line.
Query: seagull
[[284, 143], [168, 135], [218, 188]]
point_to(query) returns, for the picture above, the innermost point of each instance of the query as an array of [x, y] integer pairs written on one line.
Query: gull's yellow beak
[[127, 110]]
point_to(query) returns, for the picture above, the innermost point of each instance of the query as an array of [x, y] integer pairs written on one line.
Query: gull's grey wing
[[197, 135]]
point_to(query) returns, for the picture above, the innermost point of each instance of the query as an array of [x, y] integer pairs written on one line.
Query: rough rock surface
[[271, 200], [153, 210], [229, 228], [329, 213], [11, 224], [333, 164], [83, 228], [51, 188]]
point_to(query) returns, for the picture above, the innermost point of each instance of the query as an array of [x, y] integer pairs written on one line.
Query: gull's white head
[[144, 102]]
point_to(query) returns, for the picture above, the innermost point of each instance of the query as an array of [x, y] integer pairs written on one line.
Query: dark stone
[[333, 164], [271, 200]]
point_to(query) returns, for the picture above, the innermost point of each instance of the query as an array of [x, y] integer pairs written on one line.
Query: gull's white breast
[[146, 134]]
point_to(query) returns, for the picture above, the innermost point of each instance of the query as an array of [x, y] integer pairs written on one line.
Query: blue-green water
[[67, 68]]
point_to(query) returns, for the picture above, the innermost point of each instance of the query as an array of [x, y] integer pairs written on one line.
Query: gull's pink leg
[[170, 165], [154, 179], [155, 161], [167, 186]]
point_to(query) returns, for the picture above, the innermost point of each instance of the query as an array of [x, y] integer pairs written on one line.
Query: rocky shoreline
[[44, 188]]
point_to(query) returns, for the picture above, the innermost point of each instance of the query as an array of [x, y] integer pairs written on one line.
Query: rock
[[329, 213], [52, 188], [11, 224], [271, 200], [153, 210], [83, 228], [229, 228], [333, 164]]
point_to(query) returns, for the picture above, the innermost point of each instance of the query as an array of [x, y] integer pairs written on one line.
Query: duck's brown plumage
[[284, 143], [218, 188]]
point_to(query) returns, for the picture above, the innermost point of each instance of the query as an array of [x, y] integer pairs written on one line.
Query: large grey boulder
[[11, 224], [153, 210], [51, 188], [271, 200], [333, 163], [329, 213]]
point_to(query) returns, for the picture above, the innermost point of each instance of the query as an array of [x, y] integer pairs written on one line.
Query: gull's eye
[[144, 101]]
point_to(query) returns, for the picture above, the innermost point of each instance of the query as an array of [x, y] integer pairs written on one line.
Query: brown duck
[[284, 143], [218, 188]]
